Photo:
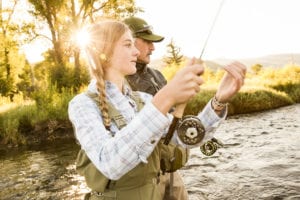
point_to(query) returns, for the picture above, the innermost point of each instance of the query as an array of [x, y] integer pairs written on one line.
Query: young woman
[[118, 130]]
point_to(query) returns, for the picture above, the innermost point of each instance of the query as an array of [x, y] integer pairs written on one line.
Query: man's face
[[145, 47]]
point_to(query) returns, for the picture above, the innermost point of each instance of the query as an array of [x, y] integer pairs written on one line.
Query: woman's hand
[[231, 82], [185, 85]]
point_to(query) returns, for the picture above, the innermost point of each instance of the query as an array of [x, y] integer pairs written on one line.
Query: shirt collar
[[111, 88]]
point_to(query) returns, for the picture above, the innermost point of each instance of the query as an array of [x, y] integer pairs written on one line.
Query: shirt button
[[152, 141]]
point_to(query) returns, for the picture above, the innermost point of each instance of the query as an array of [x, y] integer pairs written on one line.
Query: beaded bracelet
[[218, 106]]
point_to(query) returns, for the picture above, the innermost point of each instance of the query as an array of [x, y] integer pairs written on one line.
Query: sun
[[82, 38]]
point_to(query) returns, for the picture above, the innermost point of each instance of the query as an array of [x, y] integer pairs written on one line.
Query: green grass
[[248, 100], [47, 110], [43, 115]]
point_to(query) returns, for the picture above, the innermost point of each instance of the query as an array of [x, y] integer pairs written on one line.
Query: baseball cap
[[141, 29]]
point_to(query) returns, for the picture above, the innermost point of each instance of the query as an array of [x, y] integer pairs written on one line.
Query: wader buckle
[[98, 194]]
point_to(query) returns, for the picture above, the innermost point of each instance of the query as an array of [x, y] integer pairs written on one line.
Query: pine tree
[[174, 56]]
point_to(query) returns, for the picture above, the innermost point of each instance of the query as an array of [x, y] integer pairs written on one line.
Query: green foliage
[[256, 68], [6, 86], [272, 88], [24, 120], [53, 102], [253, 99], [246, 101], [174, 57], [119, 9], [291, 89], [26, 84], [9, 124], [170, 70], [197, 103], [56, 78], [11, 61]]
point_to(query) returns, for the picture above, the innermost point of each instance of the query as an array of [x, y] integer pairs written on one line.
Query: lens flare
[[82, 38]]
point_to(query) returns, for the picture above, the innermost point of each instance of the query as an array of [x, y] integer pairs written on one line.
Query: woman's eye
[[128, 45]]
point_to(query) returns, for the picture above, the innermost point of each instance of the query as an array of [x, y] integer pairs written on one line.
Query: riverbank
[[260, 160], [44, 132], [56, 130], [44, 117]]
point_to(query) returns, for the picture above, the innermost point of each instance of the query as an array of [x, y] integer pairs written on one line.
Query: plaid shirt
[[116, 152]]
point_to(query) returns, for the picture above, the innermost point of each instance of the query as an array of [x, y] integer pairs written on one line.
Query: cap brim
[[151, 37]]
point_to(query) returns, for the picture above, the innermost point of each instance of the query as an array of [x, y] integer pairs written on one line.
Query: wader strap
[[136, 97], [112, 111], [120, 122]]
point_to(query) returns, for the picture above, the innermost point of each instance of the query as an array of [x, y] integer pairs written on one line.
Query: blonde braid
[[98, 73], [103, 102], [104, 36]]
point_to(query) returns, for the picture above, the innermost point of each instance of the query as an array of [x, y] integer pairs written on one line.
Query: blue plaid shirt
[[116, 152]]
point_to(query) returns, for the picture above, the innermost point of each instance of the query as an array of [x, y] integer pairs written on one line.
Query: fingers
[[195, 67], [237, 71], [191, 61], [236, 68], [187, 81]]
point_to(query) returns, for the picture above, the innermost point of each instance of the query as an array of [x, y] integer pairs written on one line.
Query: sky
[[243, 28]]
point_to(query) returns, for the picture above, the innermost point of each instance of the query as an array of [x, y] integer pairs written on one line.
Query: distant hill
[[159, 64], [274, 61]]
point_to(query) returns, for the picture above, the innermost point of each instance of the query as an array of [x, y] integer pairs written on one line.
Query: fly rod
[[179, 110]]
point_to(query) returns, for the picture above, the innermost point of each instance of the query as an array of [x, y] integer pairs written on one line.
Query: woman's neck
[[118, 81]]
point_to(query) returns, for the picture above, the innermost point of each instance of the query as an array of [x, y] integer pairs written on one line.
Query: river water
[[260, 160]]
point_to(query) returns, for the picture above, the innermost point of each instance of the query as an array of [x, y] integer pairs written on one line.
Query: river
[[260, 160]]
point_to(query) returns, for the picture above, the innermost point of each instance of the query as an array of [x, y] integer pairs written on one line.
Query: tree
[[174, 56], [256, 68], [10, 36], [65, 18], [26, 84]]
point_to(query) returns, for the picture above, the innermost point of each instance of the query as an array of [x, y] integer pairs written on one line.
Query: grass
[[40, 118], [24, 120]]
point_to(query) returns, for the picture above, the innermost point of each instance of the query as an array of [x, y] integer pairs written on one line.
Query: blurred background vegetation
[[34, 96]]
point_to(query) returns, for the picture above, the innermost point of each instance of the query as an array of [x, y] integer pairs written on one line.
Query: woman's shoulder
[[145, 96], [80, 99]]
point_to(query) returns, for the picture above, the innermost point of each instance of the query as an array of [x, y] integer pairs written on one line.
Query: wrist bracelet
[[217, 105]]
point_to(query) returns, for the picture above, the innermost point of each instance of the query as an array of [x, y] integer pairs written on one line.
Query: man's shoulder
[[156, 73], [151, 69]]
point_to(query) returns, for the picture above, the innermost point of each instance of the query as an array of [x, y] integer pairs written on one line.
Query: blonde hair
[[103, 38]]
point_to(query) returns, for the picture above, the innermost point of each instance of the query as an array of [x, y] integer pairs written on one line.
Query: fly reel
[[190, 130], [210, 147]]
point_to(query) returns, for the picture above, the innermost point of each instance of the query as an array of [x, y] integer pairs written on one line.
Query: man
[[150, 81]]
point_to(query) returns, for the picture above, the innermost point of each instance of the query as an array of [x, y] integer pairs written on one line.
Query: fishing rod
[[195, 134], [211, 28]]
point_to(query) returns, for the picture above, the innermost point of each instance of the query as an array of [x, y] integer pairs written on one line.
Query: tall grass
[[263, 90], [48, 107]]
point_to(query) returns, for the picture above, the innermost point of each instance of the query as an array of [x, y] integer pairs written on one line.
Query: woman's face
[[123, 60]]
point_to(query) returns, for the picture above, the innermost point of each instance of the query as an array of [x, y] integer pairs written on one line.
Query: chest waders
[[142, 182]]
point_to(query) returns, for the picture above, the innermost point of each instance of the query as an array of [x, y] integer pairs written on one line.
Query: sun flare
[[82, 38]]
